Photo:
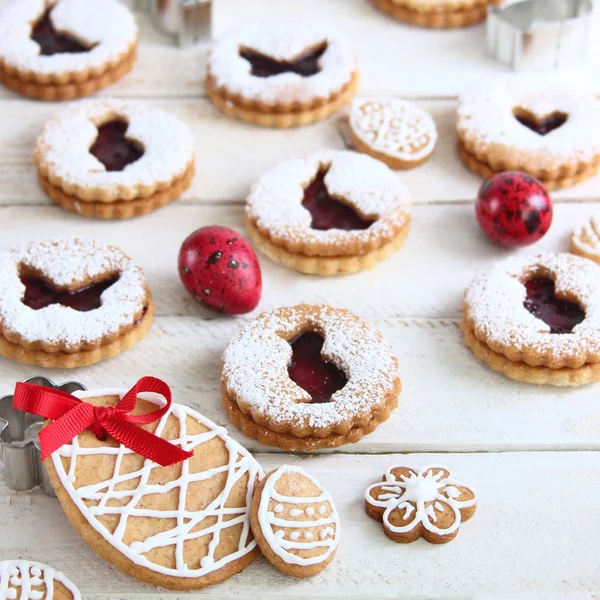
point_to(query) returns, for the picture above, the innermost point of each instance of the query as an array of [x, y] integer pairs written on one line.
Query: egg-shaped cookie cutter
[[19, 446], [539, 35]]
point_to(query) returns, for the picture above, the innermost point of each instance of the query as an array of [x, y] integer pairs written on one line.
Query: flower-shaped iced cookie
[[427, 503]]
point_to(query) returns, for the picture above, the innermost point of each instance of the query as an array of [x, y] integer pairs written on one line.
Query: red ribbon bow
[[70, 416]]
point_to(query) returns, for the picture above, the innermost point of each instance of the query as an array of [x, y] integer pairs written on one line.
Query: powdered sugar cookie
[[585, 240], [30, 580], [549, 132], [70, 302], [295, 522], [114, 158], [281, 73], [427, 503], [537, 319], [63, 49], [309, 377], [392, 130], [330, 213]]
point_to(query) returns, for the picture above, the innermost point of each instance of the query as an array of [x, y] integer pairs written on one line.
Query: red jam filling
[[328, 213], [51, 41], [306, 64], [561, 315], [39, 294], [113, 149], [308, 369], [544, 126]]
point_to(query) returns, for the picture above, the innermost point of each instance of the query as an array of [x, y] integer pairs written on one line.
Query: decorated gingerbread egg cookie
[[295, 522], [29, 580]]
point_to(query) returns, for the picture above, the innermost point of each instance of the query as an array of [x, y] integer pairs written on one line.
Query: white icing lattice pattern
[[239, 463], [29, 580]]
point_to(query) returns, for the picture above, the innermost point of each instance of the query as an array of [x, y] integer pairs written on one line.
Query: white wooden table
[[532, 453]]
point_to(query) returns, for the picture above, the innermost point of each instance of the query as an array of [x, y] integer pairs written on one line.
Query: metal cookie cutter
[[539, 35], [19, 446]]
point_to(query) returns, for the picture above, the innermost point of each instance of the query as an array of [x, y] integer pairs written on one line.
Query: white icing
[[295, 512], [369, 186], [64, 262], [586, 239], [278, 508], [282, 546], [108, 25], [282, 40], [393, 127], [486, 119], [322, 509], [255, 368], [420, 494], [18, 577], [239, 464], [63, 147], [310, 511]]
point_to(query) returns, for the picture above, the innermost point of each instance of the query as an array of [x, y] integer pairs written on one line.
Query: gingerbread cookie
[[281, 73], [441, 14], [585, 240], [114, 158], [537, 319], [428, 503], [551, 133], [70, 302], [64, 49], [309, 377], [30, 580], [181, 526], [392, 130], [330, 213], [295, 522]]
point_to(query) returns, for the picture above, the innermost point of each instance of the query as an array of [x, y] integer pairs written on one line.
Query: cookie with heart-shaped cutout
[[64, 49], [330, 213], [549, 132], [181, 527], [114, 159], [537, 319], [70, 302], [281, 73], [30, 580]]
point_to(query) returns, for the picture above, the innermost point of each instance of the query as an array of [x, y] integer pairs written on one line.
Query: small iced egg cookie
[[295, 522], [28, 580]]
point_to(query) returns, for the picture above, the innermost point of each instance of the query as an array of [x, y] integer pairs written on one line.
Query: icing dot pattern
[[27, 580]]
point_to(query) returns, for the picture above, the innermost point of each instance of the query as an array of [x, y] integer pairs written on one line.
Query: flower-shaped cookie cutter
[[539, 35], [19, 446]]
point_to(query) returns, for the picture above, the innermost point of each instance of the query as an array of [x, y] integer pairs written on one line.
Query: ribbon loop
[[70, 416]]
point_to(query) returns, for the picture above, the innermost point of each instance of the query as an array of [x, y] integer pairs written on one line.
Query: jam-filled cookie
[[114, 159], [551, 133], [392, 130], [282, 74], [537, 319], [70, 302], [330, 213], [441, 14], [30, 580], [309, 377], [64, 49]]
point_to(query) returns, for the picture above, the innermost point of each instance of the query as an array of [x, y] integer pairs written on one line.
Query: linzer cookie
[[329, 213], [309, 377], [70, 302], [64, 49], [551, 133], [537, 319], [281, 73], [295, 522], [30, 580], [585, 240], [437, 13], [427, 503], [152, 486], [114, 159], [392, 130]]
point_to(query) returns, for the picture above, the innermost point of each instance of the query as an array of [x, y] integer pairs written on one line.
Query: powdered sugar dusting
[[494, 304], [63, 146], [393, 126], [256, 361], [485, 118], [376, 193], [69, 262], [106, 24], [282, 40]]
